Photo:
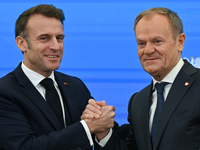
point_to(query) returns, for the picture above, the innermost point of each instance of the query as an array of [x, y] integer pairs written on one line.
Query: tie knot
[[47, 83], [160, 87]]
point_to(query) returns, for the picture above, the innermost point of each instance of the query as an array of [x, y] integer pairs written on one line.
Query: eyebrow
[[50, 35], [61, 35], [138, 39], [43, 35]]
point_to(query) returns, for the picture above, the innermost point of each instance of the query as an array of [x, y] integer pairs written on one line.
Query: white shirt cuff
[[87, 132], [104, 141]]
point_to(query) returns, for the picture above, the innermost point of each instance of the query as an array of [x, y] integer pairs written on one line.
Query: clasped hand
[[99, 117]]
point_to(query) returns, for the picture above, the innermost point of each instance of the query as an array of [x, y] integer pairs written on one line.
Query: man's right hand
[[99, 117]]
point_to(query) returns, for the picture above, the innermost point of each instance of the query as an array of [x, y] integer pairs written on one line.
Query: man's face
[[46, 44], [158, 50]]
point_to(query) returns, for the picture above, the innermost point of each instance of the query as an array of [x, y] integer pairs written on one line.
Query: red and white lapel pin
[[186, 83]]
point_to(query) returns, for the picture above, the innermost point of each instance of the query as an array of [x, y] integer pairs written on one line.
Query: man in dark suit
[[27, 118], [167, 119]]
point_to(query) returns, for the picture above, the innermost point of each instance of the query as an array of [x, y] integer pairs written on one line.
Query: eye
[[141, 44], [60, 38], [44, 38], [158, 42]]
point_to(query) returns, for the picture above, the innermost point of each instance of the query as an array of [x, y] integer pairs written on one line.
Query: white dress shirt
[[170, 79]]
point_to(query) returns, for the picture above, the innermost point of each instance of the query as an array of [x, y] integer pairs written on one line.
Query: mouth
[[50, 56], [150, 59]]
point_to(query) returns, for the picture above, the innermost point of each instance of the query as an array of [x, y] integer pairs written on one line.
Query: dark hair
[[175, 21], [43, 9]]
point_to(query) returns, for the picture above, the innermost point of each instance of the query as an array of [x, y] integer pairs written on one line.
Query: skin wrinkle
[[157, 50], [46, 39]]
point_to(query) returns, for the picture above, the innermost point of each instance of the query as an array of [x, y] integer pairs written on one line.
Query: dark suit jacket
[[28, 122], [179, 126]]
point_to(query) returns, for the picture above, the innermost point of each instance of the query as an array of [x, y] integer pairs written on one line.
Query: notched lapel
[[71, 111], [31, 92], [38, 100], [180, 86]]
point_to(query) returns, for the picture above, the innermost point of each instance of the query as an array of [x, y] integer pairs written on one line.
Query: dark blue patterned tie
[[160, 102], [52, 98]]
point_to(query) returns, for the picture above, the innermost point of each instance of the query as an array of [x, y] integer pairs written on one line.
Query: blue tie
[[160, 102]]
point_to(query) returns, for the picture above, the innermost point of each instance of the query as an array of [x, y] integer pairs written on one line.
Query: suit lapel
[[71, 111], [31, 92], [176, 93]]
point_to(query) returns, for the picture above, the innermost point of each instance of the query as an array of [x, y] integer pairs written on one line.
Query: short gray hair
[[175, 21]]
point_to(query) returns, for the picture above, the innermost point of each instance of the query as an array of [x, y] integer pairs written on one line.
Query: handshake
[[99, 118]]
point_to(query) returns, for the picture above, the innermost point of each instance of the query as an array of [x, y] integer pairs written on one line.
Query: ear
[[21, 43], [181, 41]]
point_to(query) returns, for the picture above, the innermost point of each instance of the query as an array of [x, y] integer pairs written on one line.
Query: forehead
[[41, 24], [155, 24]]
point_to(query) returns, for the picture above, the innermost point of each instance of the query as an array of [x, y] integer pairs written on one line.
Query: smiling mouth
[[150, 59], [51, 56]]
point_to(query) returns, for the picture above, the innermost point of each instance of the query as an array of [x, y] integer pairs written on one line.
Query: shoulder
[[9, 86], [141, 96], [7, 79], [74, 85], [189, 72], [67, 78], [73, 82], [14, 77], [143, 93]]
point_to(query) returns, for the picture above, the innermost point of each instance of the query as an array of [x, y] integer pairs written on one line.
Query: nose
[[149, 48], [54, 45]]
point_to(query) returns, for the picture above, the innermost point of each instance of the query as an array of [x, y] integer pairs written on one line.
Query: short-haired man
[[40, 108], [165, 115]]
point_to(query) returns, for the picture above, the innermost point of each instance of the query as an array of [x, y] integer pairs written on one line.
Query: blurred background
[[100, 45]]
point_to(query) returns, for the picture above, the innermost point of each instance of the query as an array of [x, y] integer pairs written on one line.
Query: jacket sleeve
[[122, 137]]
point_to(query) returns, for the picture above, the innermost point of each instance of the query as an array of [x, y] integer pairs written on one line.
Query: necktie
[[52, 98], [160, 102]]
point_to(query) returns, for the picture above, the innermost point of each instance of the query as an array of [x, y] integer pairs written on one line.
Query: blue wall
[[100, 46]]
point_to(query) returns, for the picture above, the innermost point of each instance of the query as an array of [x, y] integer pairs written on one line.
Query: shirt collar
[[170, 77], [35, 77]]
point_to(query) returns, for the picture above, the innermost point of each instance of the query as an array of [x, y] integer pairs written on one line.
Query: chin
[[151, 71], [53, 68]]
